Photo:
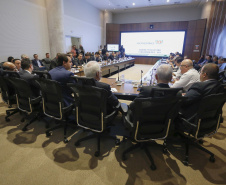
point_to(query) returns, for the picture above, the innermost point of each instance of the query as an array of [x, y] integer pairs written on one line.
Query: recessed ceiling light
[[167, 1], [133, 4]]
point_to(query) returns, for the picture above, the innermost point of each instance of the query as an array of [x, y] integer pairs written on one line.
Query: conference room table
[[108, 67]]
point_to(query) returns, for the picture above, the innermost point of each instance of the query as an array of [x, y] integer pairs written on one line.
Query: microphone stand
[[118, 81], [140, 82]]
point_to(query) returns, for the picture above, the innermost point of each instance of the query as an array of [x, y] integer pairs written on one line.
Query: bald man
[[9, 66], [208, 85], [189, 75]]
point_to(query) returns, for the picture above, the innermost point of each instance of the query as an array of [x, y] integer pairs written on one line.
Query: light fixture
[[133, 4], [168, 1]]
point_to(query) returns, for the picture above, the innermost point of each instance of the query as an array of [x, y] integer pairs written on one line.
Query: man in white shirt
[[189, 75]]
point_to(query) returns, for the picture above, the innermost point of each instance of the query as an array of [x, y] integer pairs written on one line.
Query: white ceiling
[[127, 5]]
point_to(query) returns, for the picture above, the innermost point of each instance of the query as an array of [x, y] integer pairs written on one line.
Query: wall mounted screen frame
[[153, 43], [113, 47]]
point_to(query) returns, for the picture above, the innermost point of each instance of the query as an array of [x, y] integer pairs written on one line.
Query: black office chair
[[84, 80], [151, 120], [203, 124], [222, 76], [91, 112], [42, 74], [25, 101], [166, 92], [53, 105], [8, 96]]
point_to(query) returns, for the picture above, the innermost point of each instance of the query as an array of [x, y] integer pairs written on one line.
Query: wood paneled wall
[[216, 24], [195, 33]]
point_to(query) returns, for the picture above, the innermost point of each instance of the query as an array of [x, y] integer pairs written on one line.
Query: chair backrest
[[165, 92], [91, 106], [42, 74], [5, 90], [11, 74], [207, 120], [52, 98], [152, 117], [84, 80], [23, 94]]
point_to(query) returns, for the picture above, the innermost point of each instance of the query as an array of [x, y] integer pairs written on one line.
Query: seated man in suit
[[79, 60], [9, 66], [25, 74], [93, 70], [37, 63], [97, 57], [222, 64], [17, 63], [208, 85], [54, 62], [62, 74], [189, 75], [107, 56], [163, 76], [86, 59]]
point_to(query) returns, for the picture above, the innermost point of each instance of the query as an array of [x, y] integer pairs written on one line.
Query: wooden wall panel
[[195, 31]]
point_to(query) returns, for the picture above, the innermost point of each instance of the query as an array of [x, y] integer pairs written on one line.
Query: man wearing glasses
[[189, 75]]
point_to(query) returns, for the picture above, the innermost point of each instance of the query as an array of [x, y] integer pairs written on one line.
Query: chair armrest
[[188, 122], [122, 107], [127, 123], [36, 100], [68, 108]]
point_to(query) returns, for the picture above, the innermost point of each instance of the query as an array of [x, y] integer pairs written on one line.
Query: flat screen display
[[155, 44], [112, 47]]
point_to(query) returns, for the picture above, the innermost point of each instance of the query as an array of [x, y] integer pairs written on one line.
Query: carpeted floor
[[30, 158]]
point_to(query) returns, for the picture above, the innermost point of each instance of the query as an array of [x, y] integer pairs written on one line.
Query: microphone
[[140, 81], [118, 74]]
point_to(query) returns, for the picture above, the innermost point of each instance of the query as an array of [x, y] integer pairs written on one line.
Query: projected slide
[[159, 44]]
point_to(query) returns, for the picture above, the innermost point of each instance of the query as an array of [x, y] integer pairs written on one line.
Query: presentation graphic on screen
[[158, 44], [112, 47]]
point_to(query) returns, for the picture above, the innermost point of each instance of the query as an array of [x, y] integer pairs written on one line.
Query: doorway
[[70, 41]]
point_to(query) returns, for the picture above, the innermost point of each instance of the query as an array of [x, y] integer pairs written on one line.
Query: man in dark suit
[[25, 74], [37, 64], [107, 56], [79, 60], [96, 57], [54, 62], [163, 76], [62, 74], [86, 59], [93, 70], [208, 85]]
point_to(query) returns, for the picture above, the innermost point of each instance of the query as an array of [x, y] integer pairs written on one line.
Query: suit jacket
[[30, 79], [60, 74], [53, 63], [196, 92], [78, 62], [112, 100], [35, 63], [145, 92], [85, 61]]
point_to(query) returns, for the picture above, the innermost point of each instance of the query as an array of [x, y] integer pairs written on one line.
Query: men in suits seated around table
[[79, 60], [86, 58], [93, 70], [69, 54], [62, 74], [107, 56], [208, 59], [38, 65], [27, 68], [96, 57], [189, 75], [222, 64], [209, 85], [177, 74], [163, 76], [17, 63], [47, 61], [54, 62]]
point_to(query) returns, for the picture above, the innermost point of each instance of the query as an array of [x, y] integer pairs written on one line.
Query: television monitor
[[112, 47], [153, 44]]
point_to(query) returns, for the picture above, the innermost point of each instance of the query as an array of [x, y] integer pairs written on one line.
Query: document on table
[[114, 90]]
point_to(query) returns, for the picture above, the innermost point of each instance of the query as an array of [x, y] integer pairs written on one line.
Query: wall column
[[107, 19], [55, 17]]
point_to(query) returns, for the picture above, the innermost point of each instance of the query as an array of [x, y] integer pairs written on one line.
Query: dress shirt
[[178, 74], [187, 79]]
